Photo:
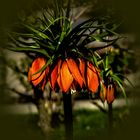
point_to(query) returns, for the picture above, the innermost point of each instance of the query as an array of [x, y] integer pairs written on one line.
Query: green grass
[[23, 127], [87, 124]]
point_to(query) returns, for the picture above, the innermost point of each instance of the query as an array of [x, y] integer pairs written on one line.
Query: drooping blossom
[[69, 73], [35, 76], [108, 93], [103, 92], [92, 77], [64, 73]]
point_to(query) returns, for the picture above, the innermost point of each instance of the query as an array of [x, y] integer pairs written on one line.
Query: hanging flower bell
[[92, 78], [36, 77], [108, 93], [68, 74], [90, 74], [64, 73]]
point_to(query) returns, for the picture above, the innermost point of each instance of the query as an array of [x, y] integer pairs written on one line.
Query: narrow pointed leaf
[[123, 91], [39, 33], [125, 78], [28, 49]]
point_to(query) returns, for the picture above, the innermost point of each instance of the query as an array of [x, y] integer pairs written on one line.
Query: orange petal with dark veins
[[66, 78], [37, 64], [92, 78], [55, 74], [75, 71], [82, 68], [110, 93], [103, 93]]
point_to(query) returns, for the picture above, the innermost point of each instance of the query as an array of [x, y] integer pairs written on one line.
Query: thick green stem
[[68, 117]]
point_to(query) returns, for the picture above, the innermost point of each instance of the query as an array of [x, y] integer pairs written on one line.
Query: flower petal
[[59, 82], [75, 71], [65, 77], [54, 74], [103, 93], [59, 71], [110, 93], [37, 64], [82, 68], [39, 79], [92, 78]]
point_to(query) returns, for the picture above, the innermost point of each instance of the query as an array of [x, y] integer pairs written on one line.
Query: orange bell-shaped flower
[[64, 73], [40, 77], [92, 78], [110, 93], [68, 72], [103, 93]]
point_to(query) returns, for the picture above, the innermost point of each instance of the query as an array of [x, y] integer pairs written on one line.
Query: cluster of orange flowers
[[68, 74]]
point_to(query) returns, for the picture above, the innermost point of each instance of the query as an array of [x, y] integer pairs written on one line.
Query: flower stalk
[[68, 117]]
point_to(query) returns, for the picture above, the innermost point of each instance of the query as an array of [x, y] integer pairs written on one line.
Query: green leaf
[[49, 14], [108, 71], [106, 61], [21, 44], [95, 61], [43, 45], [102, 90], [24, 35], [39, 33], [120, 82], [111, 31], [27, 43], [29, 49], [53, 22], [108, 45], [118, 74], [123, 91], [116, 78]]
